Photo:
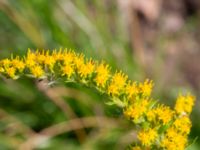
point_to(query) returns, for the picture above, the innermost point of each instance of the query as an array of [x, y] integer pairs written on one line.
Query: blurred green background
[[153, 39]]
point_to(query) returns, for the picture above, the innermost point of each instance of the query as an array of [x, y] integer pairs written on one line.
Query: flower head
[[37, 71], [87, 68], [18, 64], [5, 62], [10, 72], [151, 115], [146, 87], [69, 57], [183, 124], [174, 140], [102, 74], [30, 59], [136, 110], [184, 104], [67, 70], [117, 83], [164, 113], [131, 89], [147, 137]]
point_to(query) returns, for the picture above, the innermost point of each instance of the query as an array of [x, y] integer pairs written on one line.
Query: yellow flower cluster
[[176, 136], [184, 104], [117, 84], [160, 126], [172, 126], [102, 75], [12, 66], [136, 110], [173, 140], [148, 137], [164, 113], [183, 125]]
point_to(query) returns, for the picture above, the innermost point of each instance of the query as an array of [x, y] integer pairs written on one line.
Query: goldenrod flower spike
[[160, 127]]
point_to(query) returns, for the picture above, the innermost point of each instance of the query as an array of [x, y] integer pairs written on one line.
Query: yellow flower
[[151, 115], [102, 75], [167, 144], [10, 71], [131, 89], [30, 59], [133, 113], [44, 57], [183, 124], [31, 55], [146, 87], [78, 61], [40, 56], [37, 71], [86, 69], [119, 79], [184, 104], [69, 56], [5, 62], [18, 64], [174, 140], [136, 110], [117, 83], [67, 70], [30, 62], [171, 132], [113, 89], [58, 55], [147, 137], [49, 61], [164, 113]]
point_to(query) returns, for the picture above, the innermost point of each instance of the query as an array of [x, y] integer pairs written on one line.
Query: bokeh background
[[154, 39]]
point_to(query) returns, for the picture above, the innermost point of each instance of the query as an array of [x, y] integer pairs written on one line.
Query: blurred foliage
[[92, 27]]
